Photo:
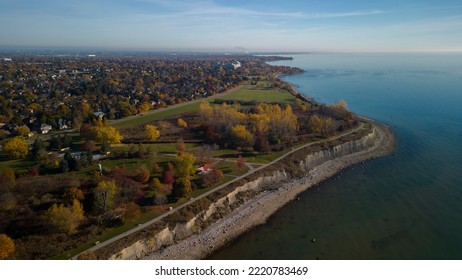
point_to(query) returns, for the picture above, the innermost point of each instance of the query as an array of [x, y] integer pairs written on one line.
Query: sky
[[234, 25]]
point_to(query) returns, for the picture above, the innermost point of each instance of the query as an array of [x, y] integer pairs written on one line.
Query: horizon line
[[236, 50]]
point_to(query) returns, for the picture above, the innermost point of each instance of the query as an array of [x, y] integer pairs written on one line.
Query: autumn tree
[[182, 188], [315, 123], [184, 166], [65, 219], [212, 177], [131, 211], [205, 153], [34, 171], [180, 147], [143, 175], [16, 147], [104, 195], [154, 188], [144, 107], [168, 175], [156, 168], [89, 146], [205, 110], [320, 124], [240, 162], [7, 179], [7, 247], [282, 123], [85, 109], [105, 134], [73, 193], [261, 144], [23, 131], [151, 132], [182, 123], [241, 136]]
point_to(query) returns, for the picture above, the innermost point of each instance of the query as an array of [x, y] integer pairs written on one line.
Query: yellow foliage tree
[[23, 131], [182, 123], [205, 110], [16, 147], [85, 108], [144, 107], [7, 247], [241, 136], [105, 134], [151, 132], [74, 193], [282, 123], [185, 165], [315, 123], [260, 124], [320, 124], [66, 219], [104, 195]]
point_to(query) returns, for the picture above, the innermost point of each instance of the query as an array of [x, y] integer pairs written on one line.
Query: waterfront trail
[[99, 245]]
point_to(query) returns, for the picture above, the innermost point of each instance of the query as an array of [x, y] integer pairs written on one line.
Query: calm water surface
[[407, 206]]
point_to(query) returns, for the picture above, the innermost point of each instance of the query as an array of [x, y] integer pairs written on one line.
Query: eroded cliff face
[[240, 195], [348, 148]]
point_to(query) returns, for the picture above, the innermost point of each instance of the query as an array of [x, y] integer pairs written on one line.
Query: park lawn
[[230, 168], [153, 115], [247, 93], [19, 165], [159, 148], [251, 157], [253, 93]]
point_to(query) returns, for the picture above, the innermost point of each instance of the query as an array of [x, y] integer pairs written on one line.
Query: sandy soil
[[261, 207]]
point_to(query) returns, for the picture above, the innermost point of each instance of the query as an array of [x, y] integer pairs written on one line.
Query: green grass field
[[247, 93], [253, 93], [153, 115]]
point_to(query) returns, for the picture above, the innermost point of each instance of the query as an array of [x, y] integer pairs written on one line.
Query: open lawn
[[153, 115], [246, 93], [19, 165], [158, 148], [260, 94]]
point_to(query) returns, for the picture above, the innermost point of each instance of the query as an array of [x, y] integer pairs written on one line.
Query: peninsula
[[130, 158]]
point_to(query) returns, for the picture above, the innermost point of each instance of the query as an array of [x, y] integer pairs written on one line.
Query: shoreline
[[257, 210]]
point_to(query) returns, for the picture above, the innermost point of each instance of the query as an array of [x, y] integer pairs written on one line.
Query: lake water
[[407, 206]]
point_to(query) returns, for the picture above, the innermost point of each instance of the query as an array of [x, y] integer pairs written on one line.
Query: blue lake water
[[407, 206]]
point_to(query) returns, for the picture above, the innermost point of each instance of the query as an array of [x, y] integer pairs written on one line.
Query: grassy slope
[[247, 93], [253, 93]]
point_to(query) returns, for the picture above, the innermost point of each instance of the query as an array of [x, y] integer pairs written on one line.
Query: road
[[251, 171]]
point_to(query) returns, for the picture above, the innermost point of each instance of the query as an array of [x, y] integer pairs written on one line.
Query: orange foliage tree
[[7, 247]]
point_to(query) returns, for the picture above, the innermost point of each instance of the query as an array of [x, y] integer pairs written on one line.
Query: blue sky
[[251, 25]]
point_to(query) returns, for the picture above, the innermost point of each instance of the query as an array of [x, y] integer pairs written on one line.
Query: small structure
[[45, 128], [204, 169], [99, 115], [63, 124]]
